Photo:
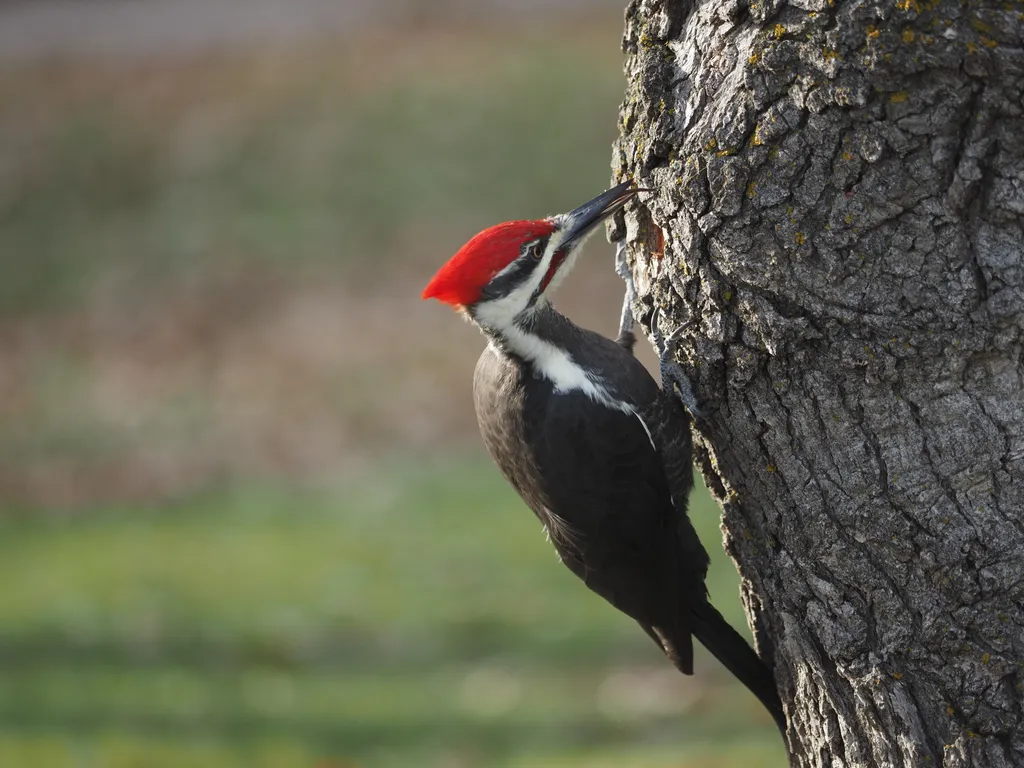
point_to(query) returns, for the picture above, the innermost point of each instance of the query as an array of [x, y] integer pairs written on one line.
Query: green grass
[[417, 618]]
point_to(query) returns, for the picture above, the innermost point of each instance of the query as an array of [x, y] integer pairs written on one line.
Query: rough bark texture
[[838, 215]]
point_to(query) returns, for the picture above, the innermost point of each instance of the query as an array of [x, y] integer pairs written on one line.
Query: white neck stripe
[[558, 367]]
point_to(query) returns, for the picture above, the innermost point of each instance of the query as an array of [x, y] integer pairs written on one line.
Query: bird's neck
[[521, 335], [543, 339]]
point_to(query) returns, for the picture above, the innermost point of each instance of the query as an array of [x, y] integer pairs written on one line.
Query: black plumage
[[597, 450], [607, 471]]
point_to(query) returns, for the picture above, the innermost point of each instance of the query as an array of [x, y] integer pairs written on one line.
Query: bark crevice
[[839, 207]]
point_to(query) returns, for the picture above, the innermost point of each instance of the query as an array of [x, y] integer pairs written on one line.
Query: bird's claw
[[621, 267], [626, 320], [673, 380]]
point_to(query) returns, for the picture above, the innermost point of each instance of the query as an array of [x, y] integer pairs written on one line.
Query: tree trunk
[[837, 227]]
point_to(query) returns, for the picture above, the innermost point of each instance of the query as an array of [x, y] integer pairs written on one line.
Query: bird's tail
[[732, 650]]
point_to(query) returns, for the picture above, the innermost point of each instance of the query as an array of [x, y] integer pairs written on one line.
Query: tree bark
[[836, 225]]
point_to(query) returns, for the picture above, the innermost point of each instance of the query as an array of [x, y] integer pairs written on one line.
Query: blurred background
[[246, 518]]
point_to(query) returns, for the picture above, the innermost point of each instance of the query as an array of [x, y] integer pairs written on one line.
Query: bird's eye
[[537, 250]]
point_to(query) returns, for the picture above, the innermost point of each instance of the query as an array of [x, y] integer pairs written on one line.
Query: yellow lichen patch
[[725, 153], [712, 144], [908, 35], [757, 141], [898, 675], [754, 58], [727, 295], [986, 658], [873, 31], [779, 30], [800, 238], [770, 467], [988, 41], [751, 189], [972, 48], [950, 711], [848, 156], [830, 53], [978, 25], [899, 97], [848, 219], [909, 5]]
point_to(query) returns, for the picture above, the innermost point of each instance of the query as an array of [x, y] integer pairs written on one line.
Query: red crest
[[460, 281]]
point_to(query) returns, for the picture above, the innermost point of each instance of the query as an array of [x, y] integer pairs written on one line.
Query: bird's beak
[[582, 221]]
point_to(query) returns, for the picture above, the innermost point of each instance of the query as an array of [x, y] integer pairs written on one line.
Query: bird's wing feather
[[601, 485], [668, 425], [670, 432]]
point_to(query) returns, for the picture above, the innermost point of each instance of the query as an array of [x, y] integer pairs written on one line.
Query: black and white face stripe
[[531, 254], [543, 262], [518, 288]]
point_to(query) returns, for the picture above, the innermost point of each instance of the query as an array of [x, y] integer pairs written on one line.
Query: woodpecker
[[582, 431]]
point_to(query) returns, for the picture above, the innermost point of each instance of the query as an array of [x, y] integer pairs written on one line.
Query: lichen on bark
[[838, 219]]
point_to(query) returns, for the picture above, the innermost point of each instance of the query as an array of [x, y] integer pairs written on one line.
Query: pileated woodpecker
[[597, 450]]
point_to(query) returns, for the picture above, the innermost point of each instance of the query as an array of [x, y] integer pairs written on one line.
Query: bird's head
[[509, 269]]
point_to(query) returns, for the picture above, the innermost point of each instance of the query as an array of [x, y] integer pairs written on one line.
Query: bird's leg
[[626, 321], [673, 380]]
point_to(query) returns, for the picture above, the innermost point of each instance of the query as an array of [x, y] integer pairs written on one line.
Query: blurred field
[[245, 517], [212, 265], [417, 619]]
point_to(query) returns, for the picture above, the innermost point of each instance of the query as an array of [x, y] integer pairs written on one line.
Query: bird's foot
[[673, 380], [626, 321]]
